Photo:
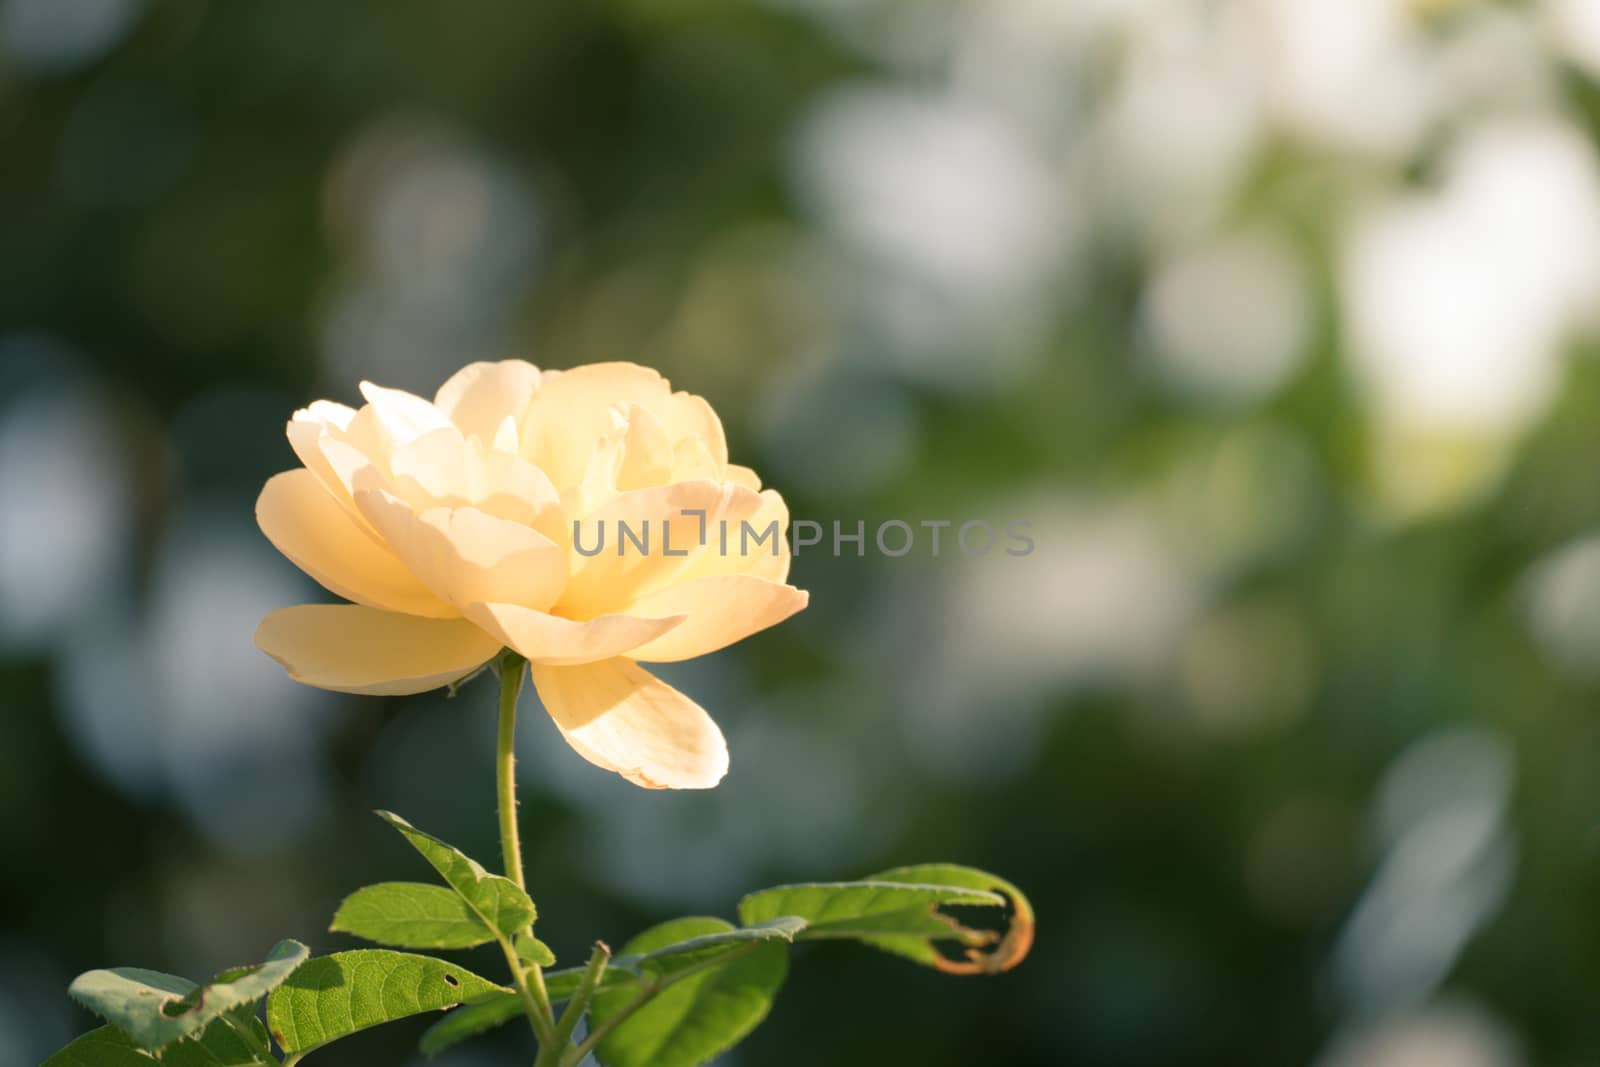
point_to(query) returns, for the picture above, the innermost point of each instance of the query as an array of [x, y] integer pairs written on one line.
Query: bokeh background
[[1277, 319]]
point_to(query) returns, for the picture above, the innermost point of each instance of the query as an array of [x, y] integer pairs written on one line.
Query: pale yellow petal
[[546, 638], [571, 413], [466, 556], [430, 470], [481, 396], [336, 453], [743, 476], [646, 451], [619, 716], [757, 545], [328, 413], [672, 528], [403, 416], [692, 459], [509, 487], [691, 416], [304, 522], [505, 436], [355, 649], [721, 609]]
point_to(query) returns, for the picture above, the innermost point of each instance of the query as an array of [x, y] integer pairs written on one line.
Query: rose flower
[[587, 519]]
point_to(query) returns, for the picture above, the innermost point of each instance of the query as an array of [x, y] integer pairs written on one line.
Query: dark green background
[[1287, 765]]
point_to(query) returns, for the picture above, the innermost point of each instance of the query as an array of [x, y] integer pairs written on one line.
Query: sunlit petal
[[355, 649], [481, 396], [721, 609], [466, 556], [619, 716], [546, 638], [311, 528]]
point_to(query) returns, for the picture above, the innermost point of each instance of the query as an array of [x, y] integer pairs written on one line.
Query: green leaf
[[411, 915], [531, 950], [497, 901], [156, 1009], [499, 1008], [333, 996], [851, 909], [471, 1020], [701, 1010], [236, 1040], [670, 959], [984, 951]]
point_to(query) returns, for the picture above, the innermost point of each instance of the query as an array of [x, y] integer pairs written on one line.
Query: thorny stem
[[529, 979]]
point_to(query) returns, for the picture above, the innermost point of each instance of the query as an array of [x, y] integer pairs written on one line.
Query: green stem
[[509, 668], [552, 1054], [529, 980], [537, 1011]]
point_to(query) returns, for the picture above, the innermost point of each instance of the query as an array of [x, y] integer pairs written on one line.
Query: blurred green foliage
[[1287, 726]]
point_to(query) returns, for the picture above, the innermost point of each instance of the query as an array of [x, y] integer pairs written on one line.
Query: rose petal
[[757, 545], [546, 638], [330, 440], [721, 609], [571, 413], [306, 524], [431, 470], [403, 416], [691, 416], [466, 556], [743, 476], [673, 527], [480, 396], [646, 451], [355, 649], [619, 716]]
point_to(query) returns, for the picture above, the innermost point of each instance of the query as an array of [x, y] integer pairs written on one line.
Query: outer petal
[[546, 638], [744, 476], [722, 609], [334, 442], [619, 716], [480, 396], [683, 524], [466, 556], [356, 649], [306, 524]]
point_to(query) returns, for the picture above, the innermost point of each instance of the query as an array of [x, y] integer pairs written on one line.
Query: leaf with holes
[[495, 900], [698, 1011], [237, 1039], [411, 915], [156, 1009], [334, 996]]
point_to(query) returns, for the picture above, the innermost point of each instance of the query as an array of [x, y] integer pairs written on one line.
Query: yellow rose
[[450, 525]]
